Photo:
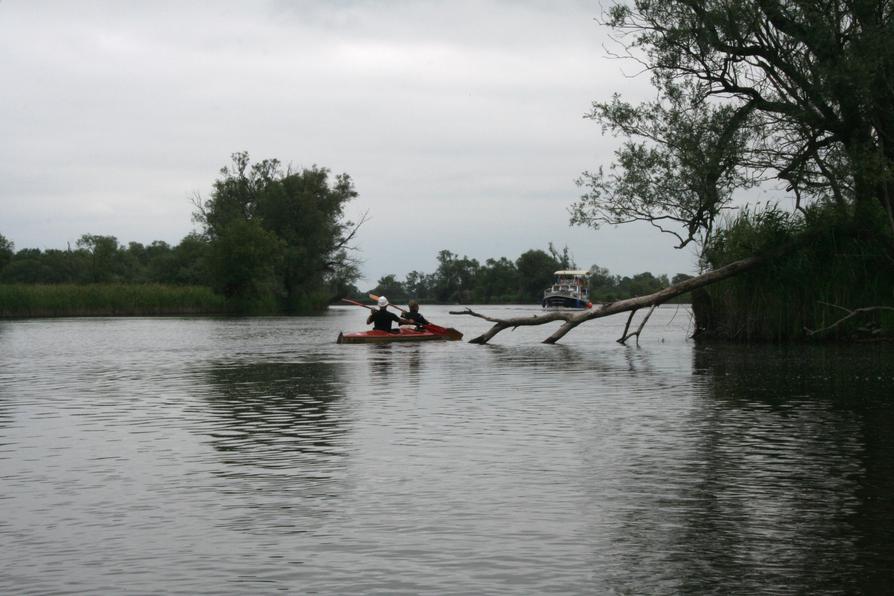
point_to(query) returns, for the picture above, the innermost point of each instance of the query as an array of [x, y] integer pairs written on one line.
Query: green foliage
[[273, 240], [497, 281], [751, 232], [107, 262], [814, 78], [502, 281], [390, 287], [536, 270], [605, 287], [243, 261], [642, 284], [677, 169], [297, 221], [455, 277], [419, 285], [7, 249], [71, 300], [842, 263], [101, 258], [750, 91]]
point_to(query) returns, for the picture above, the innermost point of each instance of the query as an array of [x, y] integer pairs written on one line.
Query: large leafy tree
[[390, 287], [274, 230], [106, 260], [497, 281], [455, 277], [244, 259], [800, 91], [536, 271]]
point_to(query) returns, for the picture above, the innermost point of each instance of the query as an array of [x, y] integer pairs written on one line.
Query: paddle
[[448, 331], [355, 303]]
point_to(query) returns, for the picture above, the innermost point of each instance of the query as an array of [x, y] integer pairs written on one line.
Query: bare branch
[[573, 319], [623, 339], [513, 322], [200, 215], [344, 241], [851, 314], [627, 326]]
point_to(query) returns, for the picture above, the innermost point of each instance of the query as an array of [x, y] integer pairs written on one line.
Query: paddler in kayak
[[381, 319], [414, 315]]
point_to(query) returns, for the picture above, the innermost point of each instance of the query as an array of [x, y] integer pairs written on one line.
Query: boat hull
[[404, 334], [562, 302]]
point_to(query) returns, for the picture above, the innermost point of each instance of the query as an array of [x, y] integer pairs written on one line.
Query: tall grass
[[73, 300], [844, 263]]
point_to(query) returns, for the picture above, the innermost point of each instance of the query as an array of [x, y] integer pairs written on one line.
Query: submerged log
[[573, 319]]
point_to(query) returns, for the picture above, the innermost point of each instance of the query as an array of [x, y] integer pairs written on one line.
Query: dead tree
[[631, 305]]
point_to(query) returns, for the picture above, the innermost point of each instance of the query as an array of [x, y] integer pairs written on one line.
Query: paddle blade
[[448, 332]]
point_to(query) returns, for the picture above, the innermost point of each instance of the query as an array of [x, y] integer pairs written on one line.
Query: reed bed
[[76, 300], [805, 290]]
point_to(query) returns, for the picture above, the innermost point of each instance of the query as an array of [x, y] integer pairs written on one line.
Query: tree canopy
[[272, 239], [278, 233], [748, 91]]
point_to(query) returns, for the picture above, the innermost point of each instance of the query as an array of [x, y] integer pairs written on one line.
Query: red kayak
[[403, 334]]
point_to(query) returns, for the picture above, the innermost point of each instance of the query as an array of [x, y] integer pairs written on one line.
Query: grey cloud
[[460, 122]]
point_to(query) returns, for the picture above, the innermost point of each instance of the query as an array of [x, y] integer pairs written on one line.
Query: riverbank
[[96, 300], [838, 284]]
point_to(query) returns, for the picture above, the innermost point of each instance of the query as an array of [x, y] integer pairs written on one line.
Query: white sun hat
[[383, 302]]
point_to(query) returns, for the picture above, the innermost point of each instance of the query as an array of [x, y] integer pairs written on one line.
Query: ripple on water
[[256, 455]]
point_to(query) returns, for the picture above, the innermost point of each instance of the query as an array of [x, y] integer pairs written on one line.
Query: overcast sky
[[460, 122]]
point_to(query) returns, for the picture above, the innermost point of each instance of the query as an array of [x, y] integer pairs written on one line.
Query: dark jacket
[[416, 318], [382, 319]]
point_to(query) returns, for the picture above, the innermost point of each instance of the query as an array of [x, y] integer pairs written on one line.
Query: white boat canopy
[[572, 273]]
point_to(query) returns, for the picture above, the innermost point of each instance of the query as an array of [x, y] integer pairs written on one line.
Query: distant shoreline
[[23, 301], [30, 301]]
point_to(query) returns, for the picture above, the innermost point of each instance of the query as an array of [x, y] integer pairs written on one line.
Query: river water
[[214, 455]]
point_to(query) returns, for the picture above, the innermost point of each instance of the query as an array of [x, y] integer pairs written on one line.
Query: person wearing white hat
[[382, 318]]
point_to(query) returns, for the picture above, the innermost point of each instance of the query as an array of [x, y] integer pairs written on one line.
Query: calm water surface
[[202, 455]]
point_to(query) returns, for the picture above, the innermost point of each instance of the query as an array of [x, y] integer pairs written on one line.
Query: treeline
[[272, 240], [102, 259], [504, 281]]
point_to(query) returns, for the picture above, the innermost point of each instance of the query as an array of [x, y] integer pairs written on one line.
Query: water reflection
[[269, 411], [788, 445], [251, 456], [550, 363], [6, 378], [278, 432], [394, 365]]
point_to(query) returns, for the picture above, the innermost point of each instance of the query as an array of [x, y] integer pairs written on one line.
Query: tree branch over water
[[573, 319]]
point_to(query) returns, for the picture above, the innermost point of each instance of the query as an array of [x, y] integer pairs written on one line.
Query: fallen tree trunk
[[573, 319]]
